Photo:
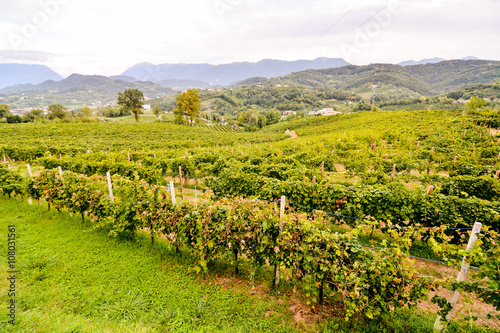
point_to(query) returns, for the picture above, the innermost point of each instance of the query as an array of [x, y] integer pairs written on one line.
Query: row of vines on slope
[[327, 266]]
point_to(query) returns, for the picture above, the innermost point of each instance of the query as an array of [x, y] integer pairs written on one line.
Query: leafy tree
[[475, 103], [157, 111], [86, 112], [4, 111], [132, 100], [13, 119], [32, 115], [57, 111], [188, 106]]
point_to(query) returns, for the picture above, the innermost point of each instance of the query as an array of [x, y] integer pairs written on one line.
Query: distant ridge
[[227, 74], [425, 79], [18, 74], [101, 85], [421, 62]]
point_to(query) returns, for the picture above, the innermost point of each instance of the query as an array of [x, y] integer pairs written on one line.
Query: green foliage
[[4, 111], [475, 103], [131, 100], [188, 106], [57, 111]]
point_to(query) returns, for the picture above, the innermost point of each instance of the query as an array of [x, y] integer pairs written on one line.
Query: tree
[[57, 111], [188, 106], [157, 111], [86, 112], [11, 119], [475, 103], [132, 100], [4, 111], [32, 115]]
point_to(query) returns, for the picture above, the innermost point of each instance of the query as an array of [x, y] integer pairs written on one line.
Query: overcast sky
[[108, 36]]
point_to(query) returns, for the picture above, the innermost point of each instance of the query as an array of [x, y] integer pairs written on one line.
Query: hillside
[[77, 90], [427, 79]]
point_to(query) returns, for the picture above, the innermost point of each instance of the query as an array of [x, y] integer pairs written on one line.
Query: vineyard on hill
[[336, 212]]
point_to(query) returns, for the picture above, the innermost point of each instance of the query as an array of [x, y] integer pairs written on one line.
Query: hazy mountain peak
[[16, 74], [226, 74]]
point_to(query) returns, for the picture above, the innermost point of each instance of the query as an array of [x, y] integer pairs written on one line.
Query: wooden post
[[322, 168], [314, 179], [128, 156], [430, 189], [439, 324], [282, 215], [455, 160], [180, 179], [172, 192], [393, 171], [432, 150], [29, 170], [60, 157], [110, 187], [60, 171]]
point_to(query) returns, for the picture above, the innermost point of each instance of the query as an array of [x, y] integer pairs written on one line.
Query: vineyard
[[336, 214]]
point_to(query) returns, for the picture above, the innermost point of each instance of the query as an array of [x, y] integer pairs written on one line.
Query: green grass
[[75, 281]]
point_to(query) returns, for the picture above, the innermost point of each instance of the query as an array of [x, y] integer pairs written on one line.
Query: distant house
[[311, 113], [289, 113], [147, 107], [327, 112]]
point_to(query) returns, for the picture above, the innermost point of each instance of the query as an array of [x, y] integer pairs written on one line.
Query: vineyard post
[[180, 181], [172, 192], [393, 171], [5, 161], [439, 325], [322, 168], [430, 189], [29, 170], [110, 187], [282, 215], [455, 160], [60, 171], [60, 156]]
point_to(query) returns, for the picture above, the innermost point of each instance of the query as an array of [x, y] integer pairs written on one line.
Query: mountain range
[[226, 74], [14, 74], [427, 79]]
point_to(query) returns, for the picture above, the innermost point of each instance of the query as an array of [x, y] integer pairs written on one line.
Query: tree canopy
[[57, 111], [132, 100], [188, 106], [4, 110]]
